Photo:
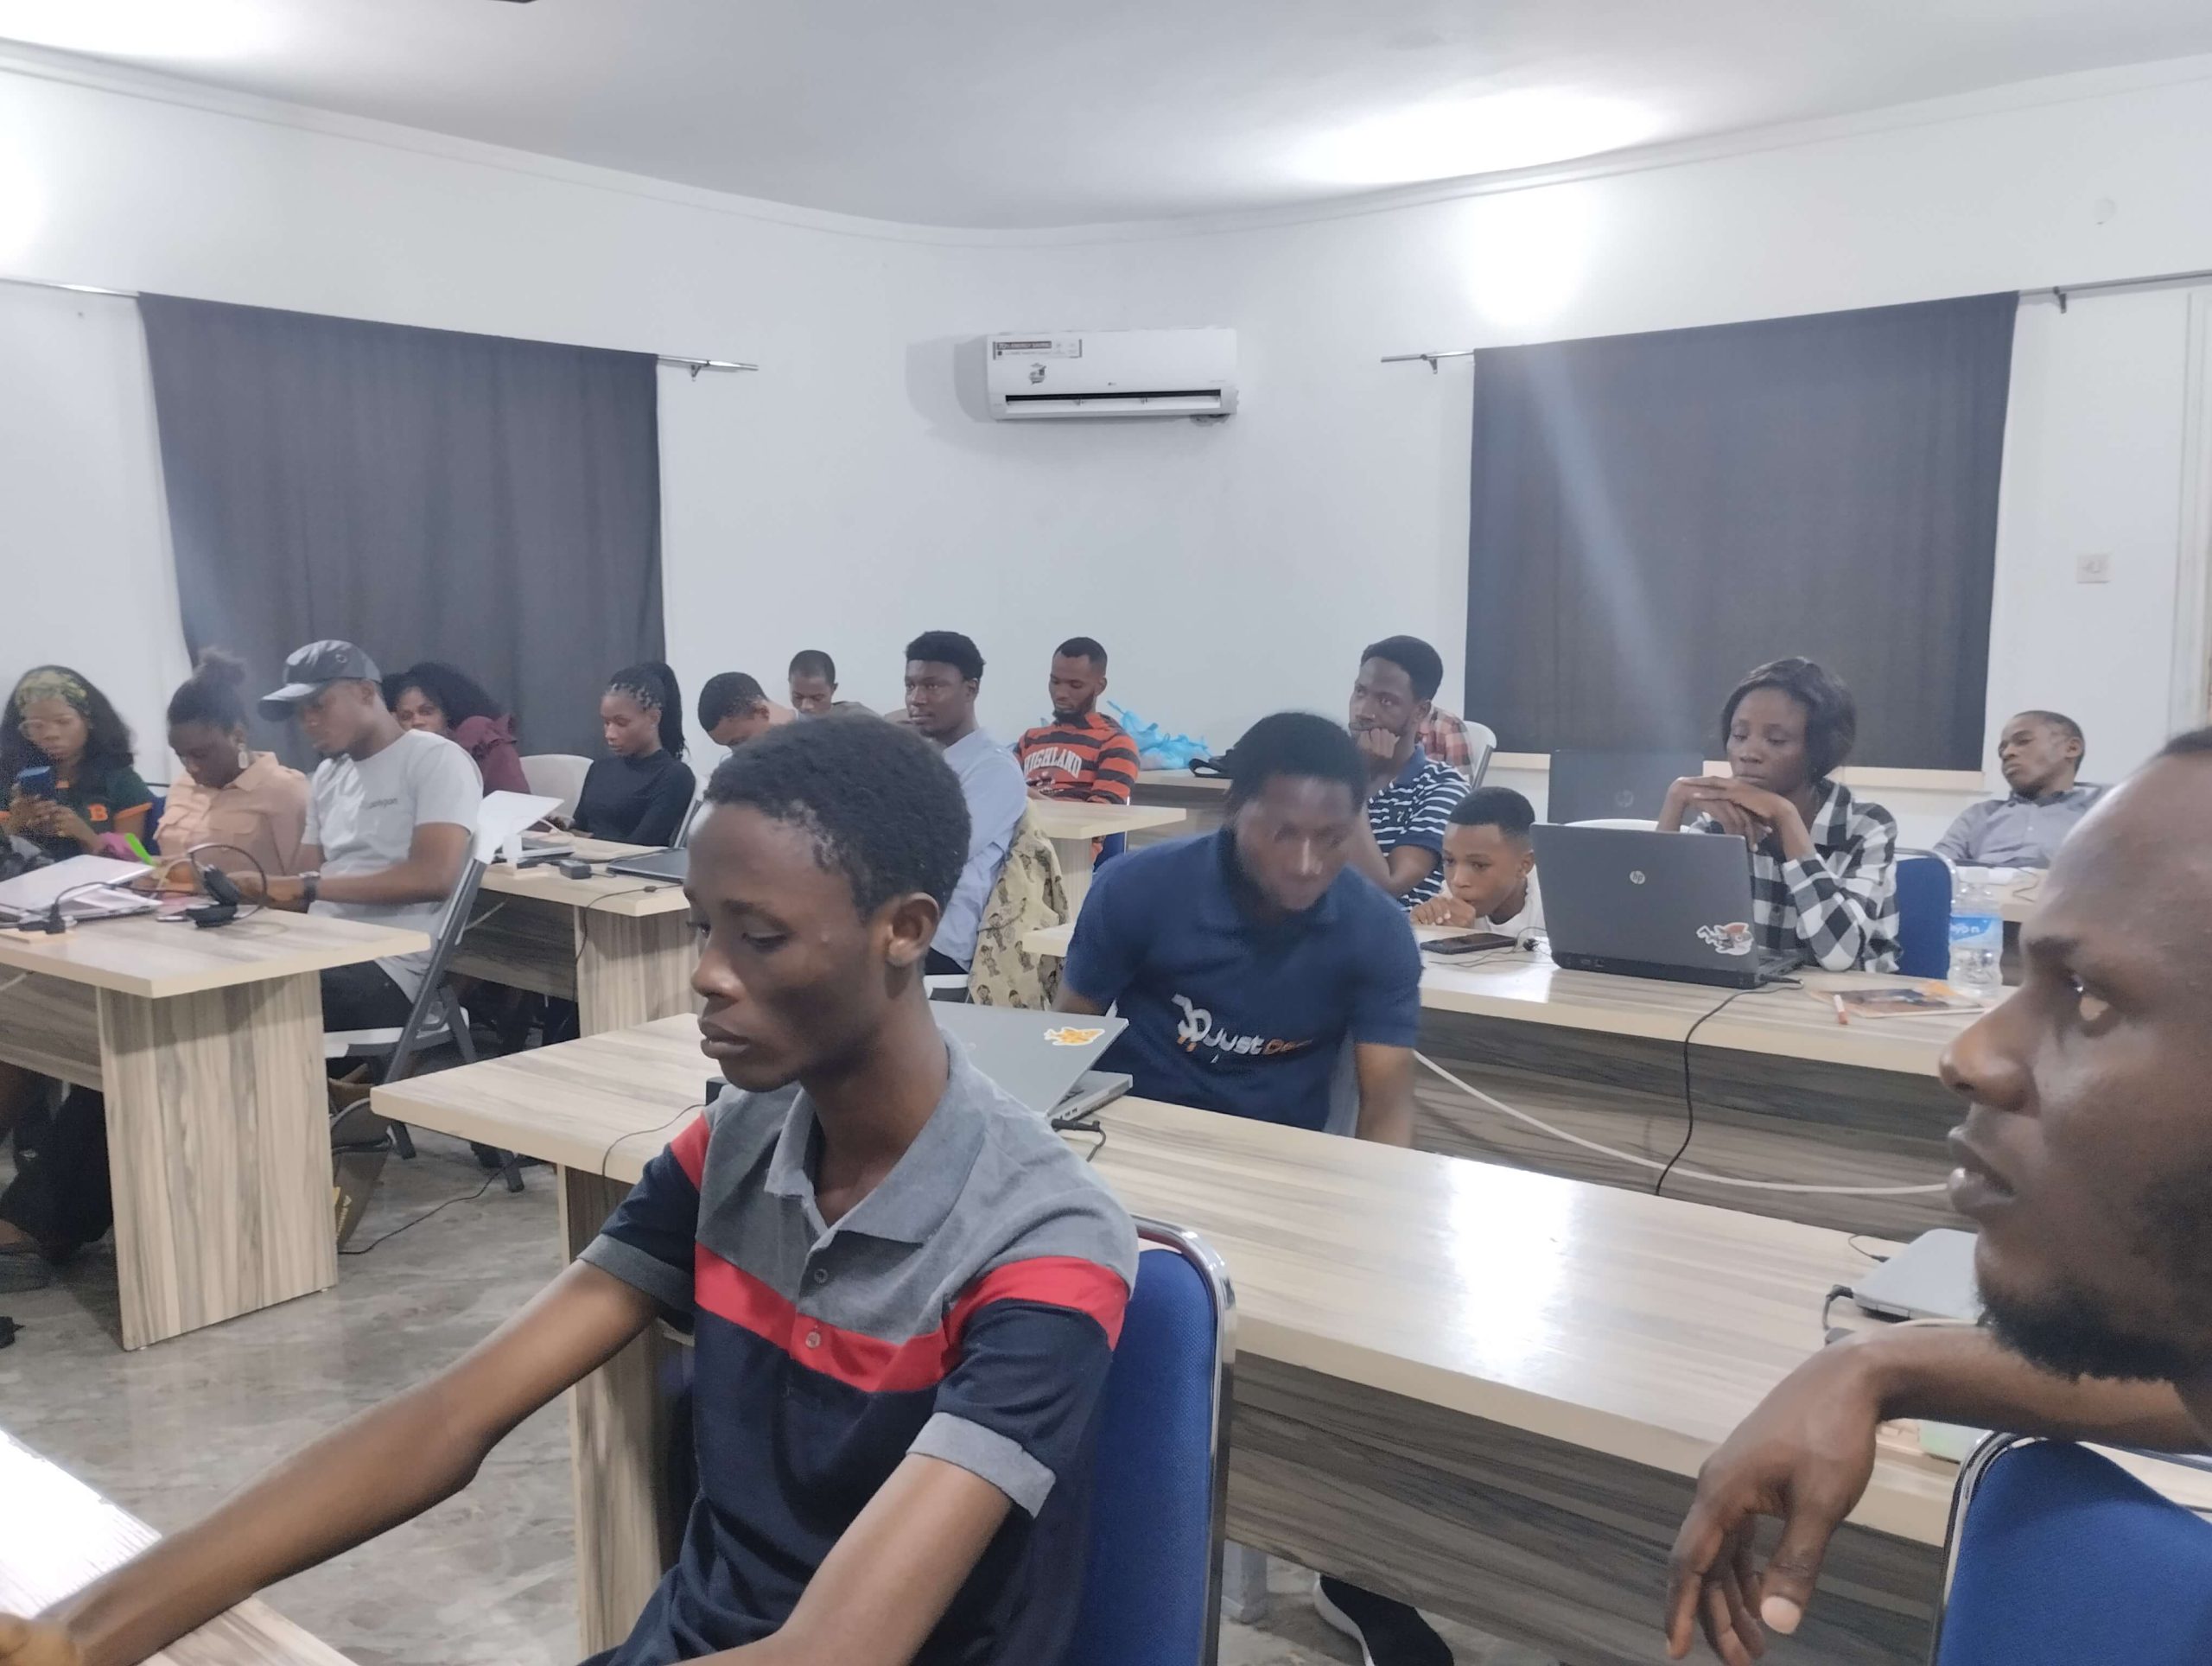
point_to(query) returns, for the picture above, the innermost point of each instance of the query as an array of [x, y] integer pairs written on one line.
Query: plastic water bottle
[[1977, 934]]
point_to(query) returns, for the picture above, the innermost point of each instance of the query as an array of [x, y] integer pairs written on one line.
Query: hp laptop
[[1595, 786], [1674, 906], [1045, 1059], [1932, 1277], [673, 864]]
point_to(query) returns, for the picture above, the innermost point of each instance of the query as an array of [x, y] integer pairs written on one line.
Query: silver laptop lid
[[1663, 899], [1036, 1056], [1932, 1277]]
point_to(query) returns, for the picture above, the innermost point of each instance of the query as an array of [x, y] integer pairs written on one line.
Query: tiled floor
[[484, 1580]]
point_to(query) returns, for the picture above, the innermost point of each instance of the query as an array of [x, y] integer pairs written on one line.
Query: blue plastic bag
[[1156, 747]]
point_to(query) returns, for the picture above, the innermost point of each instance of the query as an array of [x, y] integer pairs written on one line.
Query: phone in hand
[[1473, 943], [35, 782]]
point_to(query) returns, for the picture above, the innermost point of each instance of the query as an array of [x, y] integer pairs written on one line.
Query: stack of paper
[[31, 896]]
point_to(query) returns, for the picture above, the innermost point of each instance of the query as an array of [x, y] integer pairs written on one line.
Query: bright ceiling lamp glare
[[1528, 253], [153, 30], [1493, 135]]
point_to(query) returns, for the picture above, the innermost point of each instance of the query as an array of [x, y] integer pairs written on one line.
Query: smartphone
[[37, 781], [1473, 943]]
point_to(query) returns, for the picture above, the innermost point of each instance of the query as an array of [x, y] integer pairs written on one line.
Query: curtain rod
[[678, 360], [2061, 293]]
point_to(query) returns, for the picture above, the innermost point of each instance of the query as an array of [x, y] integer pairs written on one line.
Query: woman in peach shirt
[[229, 795]]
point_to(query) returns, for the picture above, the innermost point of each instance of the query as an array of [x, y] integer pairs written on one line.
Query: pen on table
[[1842, 1012]]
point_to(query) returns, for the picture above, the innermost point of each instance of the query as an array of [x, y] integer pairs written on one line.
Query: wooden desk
[[620, 948], [1071, 826], [57, 1536], [208, 1047], [1480, 1389]]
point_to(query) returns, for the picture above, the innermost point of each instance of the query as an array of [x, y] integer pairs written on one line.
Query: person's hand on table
[[1805, 1455], [36, 1643], [278, 891], [1444, 909]]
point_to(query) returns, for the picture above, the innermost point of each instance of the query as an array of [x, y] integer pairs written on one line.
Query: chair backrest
[[557, 775], [430, 998], [1152, 1588], [1482, 745], [1923, 883], [2056, 1553]]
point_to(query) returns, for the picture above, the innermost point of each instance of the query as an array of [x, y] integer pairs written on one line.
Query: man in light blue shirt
[[2040, 752], [944, 672]]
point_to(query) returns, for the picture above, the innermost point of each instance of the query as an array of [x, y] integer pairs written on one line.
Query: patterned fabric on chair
[[1031, 894]]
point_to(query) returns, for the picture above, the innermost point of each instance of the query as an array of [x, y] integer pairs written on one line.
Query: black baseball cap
[[315, 668]]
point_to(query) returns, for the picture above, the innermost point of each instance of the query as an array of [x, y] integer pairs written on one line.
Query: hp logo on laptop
[[1636, 876]]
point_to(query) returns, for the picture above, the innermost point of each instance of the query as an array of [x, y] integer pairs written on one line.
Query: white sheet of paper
[[503, 818], [38, 888]]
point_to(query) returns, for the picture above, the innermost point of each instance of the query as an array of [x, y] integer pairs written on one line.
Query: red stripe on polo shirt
[[689, 1148], [875, 1366]]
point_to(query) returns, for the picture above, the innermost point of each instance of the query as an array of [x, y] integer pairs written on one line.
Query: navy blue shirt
[[1230, 1012]]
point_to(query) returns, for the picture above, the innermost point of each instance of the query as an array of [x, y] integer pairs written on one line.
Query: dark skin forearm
[[385, 1467], [435, 859], [1963, 1374]]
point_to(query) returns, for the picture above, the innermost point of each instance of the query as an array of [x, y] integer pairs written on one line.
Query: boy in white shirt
[[1490, 867]]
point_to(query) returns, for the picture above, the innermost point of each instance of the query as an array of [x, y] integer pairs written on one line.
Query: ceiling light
[[1478, 135], [151, 29]]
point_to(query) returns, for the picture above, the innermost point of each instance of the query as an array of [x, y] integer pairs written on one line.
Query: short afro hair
[[1831, 715], [726, 694], [1295, 743], [812, 661], [881, 804], [1415, 657], [2065, 725], [1082, 647], [1500, 807], [947, 648]]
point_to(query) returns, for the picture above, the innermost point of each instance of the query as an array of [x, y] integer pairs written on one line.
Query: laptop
[[672, 866], [1595, 786], [1045, 1060], [1932, 1277], [1673, 905]]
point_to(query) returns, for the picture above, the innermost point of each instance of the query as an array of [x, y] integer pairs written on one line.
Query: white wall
[[844, 498]]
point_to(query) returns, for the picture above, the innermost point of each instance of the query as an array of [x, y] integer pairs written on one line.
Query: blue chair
[[1924, 915], [1152, 1591], [1110, 845], [2059, 1557]]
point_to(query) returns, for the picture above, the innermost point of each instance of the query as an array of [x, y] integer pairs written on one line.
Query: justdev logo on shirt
[[1197, 1030]]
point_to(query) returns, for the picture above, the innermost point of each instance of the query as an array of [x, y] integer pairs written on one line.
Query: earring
[[245, 758]]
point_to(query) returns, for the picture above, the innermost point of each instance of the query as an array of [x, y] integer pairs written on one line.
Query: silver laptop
[[1674, 906], [1932, 1277], [1046, 1061], [1600, 786]]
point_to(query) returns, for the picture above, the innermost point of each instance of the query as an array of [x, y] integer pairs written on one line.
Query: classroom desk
[[1782, 1091], [57, 1536], [1071, 826], [620, 948], [1481, 1390], [208, 1047]]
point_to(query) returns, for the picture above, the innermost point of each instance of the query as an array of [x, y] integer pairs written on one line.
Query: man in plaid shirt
[[1823, 863]]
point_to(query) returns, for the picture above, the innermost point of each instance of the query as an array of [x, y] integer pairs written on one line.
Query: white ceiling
[[1046, 113]]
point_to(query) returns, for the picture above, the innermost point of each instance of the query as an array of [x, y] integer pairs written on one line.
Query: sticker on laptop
[[1734, 939], [1068, 1036]]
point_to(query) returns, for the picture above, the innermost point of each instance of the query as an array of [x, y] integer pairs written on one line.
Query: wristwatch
[[310, 885]]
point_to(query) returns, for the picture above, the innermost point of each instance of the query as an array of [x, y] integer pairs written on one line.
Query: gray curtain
[[426, 495], [1653, 515]]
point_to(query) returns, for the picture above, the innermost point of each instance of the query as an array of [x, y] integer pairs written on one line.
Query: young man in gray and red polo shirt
[[905, 1289]]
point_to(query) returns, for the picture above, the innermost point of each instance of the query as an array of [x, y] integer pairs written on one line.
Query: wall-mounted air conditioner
[[1112, 374]]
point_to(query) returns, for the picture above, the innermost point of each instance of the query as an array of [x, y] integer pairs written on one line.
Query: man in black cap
[[390, 814]]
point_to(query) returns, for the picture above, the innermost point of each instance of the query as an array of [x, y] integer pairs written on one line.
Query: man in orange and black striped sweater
[[1082, 754]]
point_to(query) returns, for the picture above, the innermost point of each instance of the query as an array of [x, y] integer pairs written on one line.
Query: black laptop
[[1673, 905], [1597, 787]]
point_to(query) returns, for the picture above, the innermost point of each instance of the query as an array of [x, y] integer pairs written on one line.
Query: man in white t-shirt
[[390, 815], [1490, 867]]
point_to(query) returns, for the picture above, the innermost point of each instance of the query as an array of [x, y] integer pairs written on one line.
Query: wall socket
[[2093, 568]]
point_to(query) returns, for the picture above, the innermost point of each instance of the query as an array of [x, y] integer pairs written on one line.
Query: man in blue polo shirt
[[1244, 960], [905, 1288], [1410, 796]]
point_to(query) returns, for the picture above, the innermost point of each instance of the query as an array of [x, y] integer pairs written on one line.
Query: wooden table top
[[603, 893], [1789, 1023], [1641, 1327], [57, 1536], [142, 955], [1056, 818], [1182, 778]]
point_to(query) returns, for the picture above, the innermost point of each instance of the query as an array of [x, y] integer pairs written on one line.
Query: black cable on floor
[[466, 1197], [1689, 1099]]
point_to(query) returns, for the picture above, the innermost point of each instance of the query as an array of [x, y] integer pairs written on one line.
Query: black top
[[636, 800]]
